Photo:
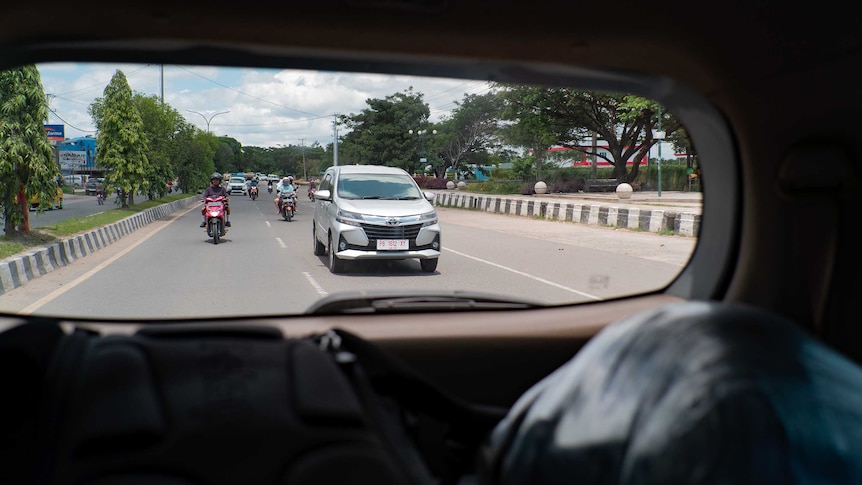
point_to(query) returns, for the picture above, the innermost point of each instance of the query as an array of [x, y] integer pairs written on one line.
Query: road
[[266, 266]]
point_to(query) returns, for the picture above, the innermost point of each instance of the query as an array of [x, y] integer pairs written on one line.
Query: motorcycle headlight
[[428, 218], [347, 217]]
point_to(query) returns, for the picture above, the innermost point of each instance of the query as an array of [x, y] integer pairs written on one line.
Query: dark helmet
[[215, 175]]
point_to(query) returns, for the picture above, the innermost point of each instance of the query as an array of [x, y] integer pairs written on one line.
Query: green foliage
[[161, 124], [122, 140], [379, 135], [193, 158], [26, 158], [469, 134], [673, 177], [543, 117]]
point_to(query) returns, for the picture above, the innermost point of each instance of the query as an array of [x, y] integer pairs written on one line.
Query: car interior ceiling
[[767, 92]]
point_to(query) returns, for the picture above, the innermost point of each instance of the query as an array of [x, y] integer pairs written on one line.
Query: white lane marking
[[527, 275], [268, 224], [319, 289], [84, 277], [280, 242]]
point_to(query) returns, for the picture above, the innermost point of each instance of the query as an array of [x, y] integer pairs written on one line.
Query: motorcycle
[[288, 208], [216, 216], [100, 197], [311, 192], [269, 188], [252, 192]]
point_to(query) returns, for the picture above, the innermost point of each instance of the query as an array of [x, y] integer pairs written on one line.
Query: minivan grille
[[392, 232]]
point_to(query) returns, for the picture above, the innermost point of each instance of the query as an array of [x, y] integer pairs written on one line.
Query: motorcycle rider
[[312, 188], [285, 189], [252, 185], [215, 190]]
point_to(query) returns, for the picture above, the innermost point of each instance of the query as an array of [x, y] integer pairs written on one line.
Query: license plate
[[393, 244]]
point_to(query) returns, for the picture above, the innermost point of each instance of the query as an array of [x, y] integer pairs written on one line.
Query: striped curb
[[656, 220], [18, 270]]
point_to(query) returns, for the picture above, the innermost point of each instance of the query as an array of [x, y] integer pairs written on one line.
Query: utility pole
[[660, 136], [304, 170], [162, 83], [335, 141]]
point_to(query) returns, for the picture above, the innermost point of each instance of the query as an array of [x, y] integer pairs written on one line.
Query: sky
[[262, 107]]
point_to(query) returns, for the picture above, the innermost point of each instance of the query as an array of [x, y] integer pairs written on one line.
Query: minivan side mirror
[[323, 195], [429, 196]]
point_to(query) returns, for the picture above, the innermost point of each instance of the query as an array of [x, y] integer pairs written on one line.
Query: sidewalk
[[675, 213]]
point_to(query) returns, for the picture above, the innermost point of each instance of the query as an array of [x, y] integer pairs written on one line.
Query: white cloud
[[266, 107]]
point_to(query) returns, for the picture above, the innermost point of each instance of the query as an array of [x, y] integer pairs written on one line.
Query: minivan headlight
[[347, 217], [428, 218]]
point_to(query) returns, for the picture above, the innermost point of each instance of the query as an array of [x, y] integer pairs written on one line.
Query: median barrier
[[18, 270], [678, 222]]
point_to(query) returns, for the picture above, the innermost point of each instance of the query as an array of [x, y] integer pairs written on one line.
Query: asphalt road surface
[[266, 266]]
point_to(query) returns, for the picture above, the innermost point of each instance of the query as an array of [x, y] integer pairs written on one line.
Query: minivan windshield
[[377, 186], [555, 195]]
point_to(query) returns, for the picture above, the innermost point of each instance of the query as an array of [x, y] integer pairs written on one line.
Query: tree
[[121, 139], [194, 157], [565, 117], [532, 127], [161, 124], [469, 133], [379, 135], [229, 155], [27, 167]]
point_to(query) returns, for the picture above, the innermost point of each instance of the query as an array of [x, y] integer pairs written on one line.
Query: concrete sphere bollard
[[540, 187], [450, 185], [624, 191], [462, 185]]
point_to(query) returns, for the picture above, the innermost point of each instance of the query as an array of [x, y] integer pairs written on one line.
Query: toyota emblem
[[392, 221]]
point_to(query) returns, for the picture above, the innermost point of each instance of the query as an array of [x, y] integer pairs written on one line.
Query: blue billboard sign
[[56, 132]]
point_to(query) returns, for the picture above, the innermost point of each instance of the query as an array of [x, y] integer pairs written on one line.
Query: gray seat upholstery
[[689, 393]]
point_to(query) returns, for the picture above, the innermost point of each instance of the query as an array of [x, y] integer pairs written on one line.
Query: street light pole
[[421, 133], [659, 135], [208, 120]]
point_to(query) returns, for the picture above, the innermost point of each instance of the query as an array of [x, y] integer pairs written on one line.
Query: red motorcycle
[[216, 216]]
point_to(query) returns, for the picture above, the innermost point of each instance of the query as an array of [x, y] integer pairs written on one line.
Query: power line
[[70, 124]]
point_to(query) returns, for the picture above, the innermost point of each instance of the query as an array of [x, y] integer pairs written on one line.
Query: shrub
[[426, 182], [570, 186]]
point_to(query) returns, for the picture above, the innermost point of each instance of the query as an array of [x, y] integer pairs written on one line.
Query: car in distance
[[92, 185], [56, 204], [366, 212], [237, 184]]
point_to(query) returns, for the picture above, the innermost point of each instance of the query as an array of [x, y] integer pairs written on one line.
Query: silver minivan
[[374, 212]]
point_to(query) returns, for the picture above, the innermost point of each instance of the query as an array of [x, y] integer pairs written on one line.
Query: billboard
[[72, 160], [56, 132]]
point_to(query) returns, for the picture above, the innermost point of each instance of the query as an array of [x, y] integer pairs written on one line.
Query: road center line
[[280, 242], [268, 224], [319, 289], [527, 275], [89, 274]]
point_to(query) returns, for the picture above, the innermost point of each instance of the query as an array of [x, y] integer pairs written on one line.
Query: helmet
[[285, 180], [215, 175], [290, 178]]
